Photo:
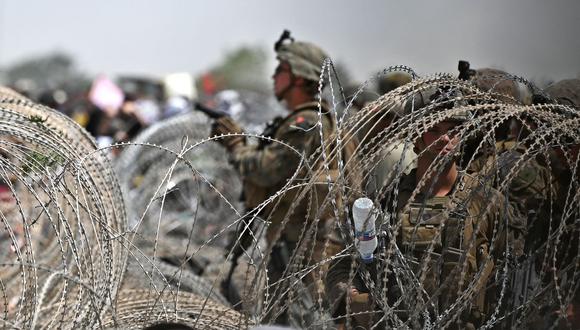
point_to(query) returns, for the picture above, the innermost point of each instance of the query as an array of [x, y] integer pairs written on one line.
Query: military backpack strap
[[270, 131]]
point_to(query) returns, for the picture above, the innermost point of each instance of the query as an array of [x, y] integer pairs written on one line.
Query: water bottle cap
[[363, 203], [360, 211]]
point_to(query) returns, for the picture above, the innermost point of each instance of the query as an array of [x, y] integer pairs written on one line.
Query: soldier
[[446, 220], [529, 190], [395, 152], [266, 168], [508, 164], [563, 232], [555, 235]]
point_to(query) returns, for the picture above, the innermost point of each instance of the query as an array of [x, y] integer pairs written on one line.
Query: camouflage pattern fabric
[[266, 170], [528, 191], [566, 92], [496, 81], [305, 59], [291, 159]]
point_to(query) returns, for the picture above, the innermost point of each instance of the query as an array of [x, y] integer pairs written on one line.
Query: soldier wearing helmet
[[536, 178], [266, 168], [444, 220], [394, 154], [557, 217], [299, 70]]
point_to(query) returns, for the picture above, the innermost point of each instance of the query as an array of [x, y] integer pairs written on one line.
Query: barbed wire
[[85, 249]]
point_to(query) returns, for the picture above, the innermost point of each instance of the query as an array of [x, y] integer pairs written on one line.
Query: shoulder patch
[[301, 122]]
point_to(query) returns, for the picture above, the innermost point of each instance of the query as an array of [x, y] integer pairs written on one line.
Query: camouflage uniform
[[300, 218], [266, 170], [564, 174], [566, 182], [557, 239], [469, 214], [451, 243], [529, 187], [528, 192]]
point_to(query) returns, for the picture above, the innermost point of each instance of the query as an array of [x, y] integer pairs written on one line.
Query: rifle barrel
[[212, 113]]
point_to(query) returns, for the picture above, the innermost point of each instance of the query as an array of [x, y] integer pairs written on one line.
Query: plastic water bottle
[[364, 226]]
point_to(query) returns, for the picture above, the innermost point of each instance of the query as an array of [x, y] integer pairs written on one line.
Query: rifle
[[211, 113]]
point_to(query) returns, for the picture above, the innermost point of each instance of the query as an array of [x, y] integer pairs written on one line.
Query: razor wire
[[61, 264], [78, 258]]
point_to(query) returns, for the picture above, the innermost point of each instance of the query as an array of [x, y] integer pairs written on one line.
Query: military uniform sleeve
[[276, 162], [509, 225], [528, 189]]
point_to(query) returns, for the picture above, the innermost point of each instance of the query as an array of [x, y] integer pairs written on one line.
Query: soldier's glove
[[226, 125]]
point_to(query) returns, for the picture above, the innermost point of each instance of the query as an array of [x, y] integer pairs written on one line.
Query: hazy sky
[[533, 38]]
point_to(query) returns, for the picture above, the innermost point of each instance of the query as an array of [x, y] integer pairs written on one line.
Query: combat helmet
[[498, 81], [392, 80], [305, 59], [566, 92]]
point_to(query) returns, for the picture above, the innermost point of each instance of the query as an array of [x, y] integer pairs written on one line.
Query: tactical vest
[[437, 229], [444, 232]]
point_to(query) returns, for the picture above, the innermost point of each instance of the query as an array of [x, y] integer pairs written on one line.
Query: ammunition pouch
[[429, 231]]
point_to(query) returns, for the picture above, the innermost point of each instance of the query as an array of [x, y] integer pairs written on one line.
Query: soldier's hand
[[226, 125], [357, 297]]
